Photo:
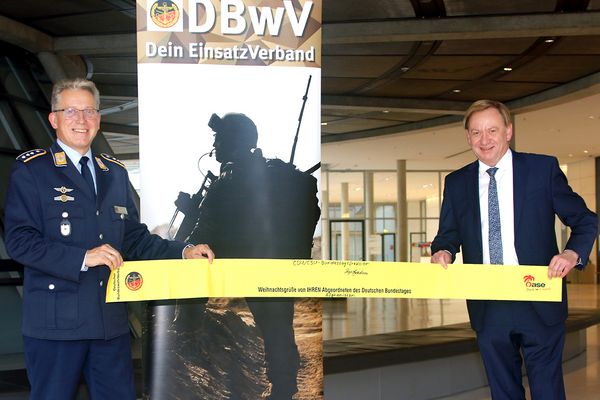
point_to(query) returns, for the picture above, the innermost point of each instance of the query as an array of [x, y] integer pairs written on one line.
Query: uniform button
[[101, 283], [101, 236], [51, 286], [65, 214], [97, 212]]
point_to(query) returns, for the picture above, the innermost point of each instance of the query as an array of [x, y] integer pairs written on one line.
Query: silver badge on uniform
[[122, 211], [65, 224], [63, 197]]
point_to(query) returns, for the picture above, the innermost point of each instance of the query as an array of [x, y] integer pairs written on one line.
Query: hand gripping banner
[[180, 279]]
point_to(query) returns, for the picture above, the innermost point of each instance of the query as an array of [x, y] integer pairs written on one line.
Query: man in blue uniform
[[501, 209], [71, 219]]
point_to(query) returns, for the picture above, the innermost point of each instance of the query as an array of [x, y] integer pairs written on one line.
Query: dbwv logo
[[233, 16]]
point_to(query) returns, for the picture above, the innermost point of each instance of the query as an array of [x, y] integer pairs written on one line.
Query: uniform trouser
[[513, 331], [55, 368], [275, 319]]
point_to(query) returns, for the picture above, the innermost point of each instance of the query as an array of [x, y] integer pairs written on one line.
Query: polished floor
[[359, 317]]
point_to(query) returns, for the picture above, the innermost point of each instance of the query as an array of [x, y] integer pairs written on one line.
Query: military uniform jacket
[[51, 220]]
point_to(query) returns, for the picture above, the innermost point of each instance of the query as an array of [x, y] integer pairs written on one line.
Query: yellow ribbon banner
[[179, 279]]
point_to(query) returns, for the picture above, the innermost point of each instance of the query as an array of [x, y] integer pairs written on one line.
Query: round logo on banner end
[[164, 13], [134, 281]]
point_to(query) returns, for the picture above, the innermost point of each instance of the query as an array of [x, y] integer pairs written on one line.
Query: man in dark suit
[[71, 219], [501, 210]]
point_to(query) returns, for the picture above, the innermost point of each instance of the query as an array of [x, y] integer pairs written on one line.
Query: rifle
[[190, 207], [300, 120]]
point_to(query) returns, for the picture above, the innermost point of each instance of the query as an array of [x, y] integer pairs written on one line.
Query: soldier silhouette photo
[[256, 208]]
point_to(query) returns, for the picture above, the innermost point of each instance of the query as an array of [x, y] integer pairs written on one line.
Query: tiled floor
[[358, 317]]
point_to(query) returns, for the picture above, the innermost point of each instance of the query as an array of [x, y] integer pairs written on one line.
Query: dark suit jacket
[[60, 301], [540, 192]]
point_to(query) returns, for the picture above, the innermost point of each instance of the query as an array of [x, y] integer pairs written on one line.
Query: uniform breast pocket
[[64, 222], [119, 217]]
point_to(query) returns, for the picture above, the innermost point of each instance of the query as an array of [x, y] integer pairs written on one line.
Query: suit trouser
[[513, 331], [55, 368]]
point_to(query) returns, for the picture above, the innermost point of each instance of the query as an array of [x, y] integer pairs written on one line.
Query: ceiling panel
[[360, 10], [577, 45], [357, 66], [511, 46], [414, 88], [555, 69], [469, 7], [416, 55], [456, 67]]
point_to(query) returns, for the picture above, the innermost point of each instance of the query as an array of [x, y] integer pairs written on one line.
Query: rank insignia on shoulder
[[102, 166], [30, 155], [112, 159], [60, 159]]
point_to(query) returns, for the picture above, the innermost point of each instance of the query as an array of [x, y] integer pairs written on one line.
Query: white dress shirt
[[74, 156], [504, 183]]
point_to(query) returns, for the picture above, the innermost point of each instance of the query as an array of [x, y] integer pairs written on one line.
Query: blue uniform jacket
[[540, 192], [51, 220]]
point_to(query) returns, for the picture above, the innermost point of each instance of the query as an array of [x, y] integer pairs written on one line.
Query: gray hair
[[74, 84]]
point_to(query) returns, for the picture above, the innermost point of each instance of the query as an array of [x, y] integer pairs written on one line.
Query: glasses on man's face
[[72, 112]]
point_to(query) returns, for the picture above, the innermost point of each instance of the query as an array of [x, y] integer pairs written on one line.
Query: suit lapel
[[102, 179], [519, 186], [472, 200]]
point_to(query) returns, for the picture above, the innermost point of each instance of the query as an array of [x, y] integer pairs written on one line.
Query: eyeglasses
[[72, 113]]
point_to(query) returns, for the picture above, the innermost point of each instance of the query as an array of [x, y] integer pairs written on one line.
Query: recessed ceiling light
[[549, 40], [385, 111], [585, 151], [456, 91], [507, 69], [323, 123]]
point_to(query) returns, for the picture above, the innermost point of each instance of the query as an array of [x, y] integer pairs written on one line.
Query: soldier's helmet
[[234, 130]]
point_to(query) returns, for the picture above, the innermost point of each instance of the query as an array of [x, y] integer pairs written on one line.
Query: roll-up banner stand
[[229, 102]]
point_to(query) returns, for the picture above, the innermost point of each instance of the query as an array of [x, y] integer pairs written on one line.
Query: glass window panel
[[420, 186], [385, 187], [11, 135], [36, 123], [355, 187], [6, 162], [355, 240]]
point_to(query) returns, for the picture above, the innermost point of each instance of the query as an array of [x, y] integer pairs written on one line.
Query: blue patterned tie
[[87, 174], [495, 235]]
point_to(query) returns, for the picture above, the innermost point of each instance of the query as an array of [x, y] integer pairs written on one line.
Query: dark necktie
[[87, 174], [495, 234]]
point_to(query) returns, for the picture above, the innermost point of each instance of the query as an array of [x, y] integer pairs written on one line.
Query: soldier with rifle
[[260, 208]]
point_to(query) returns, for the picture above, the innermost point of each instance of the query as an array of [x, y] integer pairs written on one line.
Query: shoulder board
[[112, 159], [30, 155]]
